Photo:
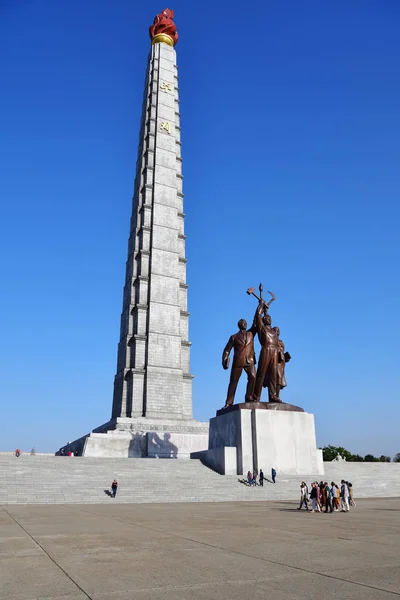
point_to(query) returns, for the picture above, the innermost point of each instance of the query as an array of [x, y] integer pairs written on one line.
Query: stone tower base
[[141, 438]]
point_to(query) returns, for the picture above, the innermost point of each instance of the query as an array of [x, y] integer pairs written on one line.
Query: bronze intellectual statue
[[267, 372], [283, 358], [242, 343]]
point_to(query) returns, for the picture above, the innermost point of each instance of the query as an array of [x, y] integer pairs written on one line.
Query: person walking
[[314, 498], [323, 495], [335, 502], [304, 496], [351, 498], [261, 478], [344, 496], [18, 452], [318, 490], [328, 498], [273, 475], [114, 487]]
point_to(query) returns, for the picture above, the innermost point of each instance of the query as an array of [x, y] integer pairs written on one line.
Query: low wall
[[221, 460], [370, 480], [27, 453]]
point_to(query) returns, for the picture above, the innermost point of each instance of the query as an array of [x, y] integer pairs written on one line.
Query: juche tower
[[153, 369], [152, 403]]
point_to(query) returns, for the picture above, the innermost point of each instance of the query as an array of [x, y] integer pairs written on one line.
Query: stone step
[[59, 480]]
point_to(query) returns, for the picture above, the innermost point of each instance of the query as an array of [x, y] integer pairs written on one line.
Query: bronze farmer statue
[[242, 343]]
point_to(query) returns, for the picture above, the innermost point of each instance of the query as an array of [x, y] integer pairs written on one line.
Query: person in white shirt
[[344, 496], [335, 501], [304, 495]]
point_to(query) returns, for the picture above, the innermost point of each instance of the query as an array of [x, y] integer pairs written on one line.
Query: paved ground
[[199, 552]]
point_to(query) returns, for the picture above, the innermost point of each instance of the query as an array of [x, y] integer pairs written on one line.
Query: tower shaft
[[153, 368]]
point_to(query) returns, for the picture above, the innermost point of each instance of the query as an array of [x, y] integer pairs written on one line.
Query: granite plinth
[[260, 406], [251, 436]]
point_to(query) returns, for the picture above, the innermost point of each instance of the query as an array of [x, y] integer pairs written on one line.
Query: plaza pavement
[[199, 552]]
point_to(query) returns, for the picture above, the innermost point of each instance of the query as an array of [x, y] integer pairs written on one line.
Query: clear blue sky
[[290, 130]]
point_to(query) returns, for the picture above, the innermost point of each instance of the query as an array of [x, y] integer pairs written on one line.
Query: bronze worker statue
[[244, 357], [267, 371], [273, 358]]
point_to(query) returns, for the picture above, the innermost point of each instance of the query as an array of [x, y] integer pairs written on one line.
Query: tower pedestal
[[247, 438], [142, 438]]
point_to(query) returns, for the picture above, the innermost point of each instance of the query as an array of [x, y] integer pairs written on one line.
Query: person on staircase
[[273, 475], [114, 487]]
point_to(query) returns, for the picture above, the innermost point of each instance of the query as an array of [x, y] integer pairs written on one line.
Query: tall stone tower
[[153, 370], [152, 404]]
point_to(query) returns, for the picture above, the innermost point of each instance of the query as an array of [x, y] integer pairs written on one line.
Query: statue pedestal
[[262, 435], [260, 406]]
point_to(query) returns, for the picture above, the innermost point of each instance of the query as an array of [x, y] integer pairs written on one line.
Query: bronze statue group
[[271, 363]]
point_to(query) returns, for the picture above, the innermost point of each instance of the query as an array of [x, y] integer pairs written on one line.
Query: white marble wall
[[286, 441]]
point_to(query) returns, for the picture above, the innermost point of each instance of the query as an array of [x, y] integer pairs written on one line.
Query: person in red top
[[17, 452]]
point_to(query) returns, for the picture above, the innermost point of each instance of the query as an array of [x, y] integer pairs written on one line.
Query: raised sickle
[[273, 298]]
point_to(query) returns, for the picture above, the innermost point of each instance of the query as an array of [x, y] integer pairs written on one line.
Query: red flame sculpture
[[163, 24]]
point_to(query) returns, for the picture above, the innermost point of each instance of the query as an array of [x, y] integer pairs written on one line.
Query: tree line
[[331, 452]]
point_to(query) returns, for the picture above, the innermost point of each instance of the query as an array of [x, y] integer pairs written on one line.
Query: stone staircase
[[58, 480]]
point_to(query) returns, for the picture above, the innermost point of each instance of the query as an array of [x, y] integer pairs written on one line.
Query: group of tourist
[[327, 498], [253, 476], [18, 452], [69, 453]]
